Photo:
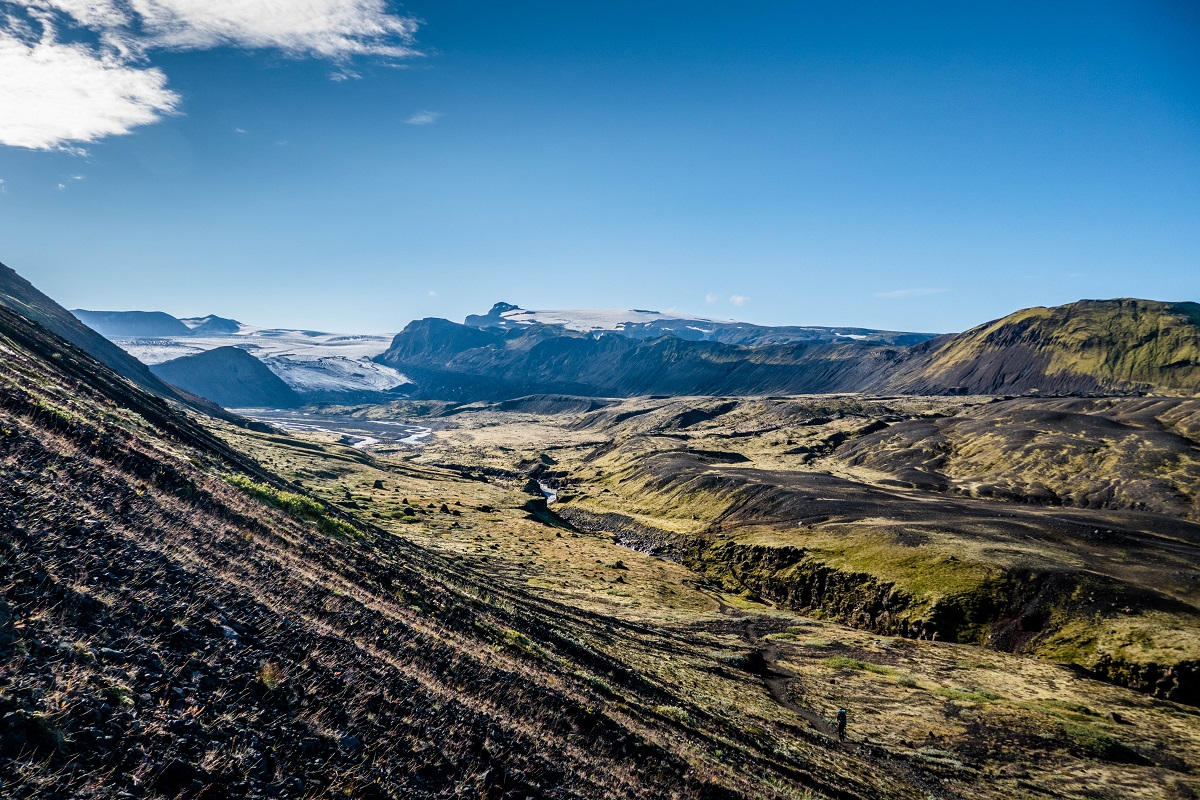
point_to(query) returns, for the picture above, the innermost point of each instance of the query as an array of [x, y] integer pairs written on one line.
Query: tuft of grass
[[270, 675], [675, 714]]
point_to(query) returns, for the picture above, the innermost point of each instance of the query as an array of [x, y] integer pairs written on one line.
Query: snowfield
[[609, 319], [308, 361]]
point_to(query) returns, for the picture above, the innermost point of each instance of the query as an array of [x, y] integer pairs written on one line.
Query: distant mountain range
[[20, 296], [1122, 346]]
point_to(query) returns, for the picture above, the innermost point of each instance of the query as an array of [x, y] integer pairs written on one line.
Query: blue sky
[[922, 166]]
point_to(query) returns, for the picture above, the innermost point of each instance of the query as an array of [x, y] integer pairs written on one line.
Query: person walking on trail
[[841, 724]]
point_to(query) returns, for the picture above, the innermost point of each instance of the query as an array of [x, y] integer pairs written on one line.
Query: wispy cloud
[[424, 118], [68, 180], [739, 300], [325, 28], [3, 188], [897, 294], [432, 293], [77, 71], [712, 297]]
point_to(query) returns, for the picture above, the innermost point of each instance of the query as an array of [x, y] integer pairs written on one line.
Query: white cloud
[[424, 118], [239, 130], [896, 294], [76, 71], [54, 93], [432, 293], [712, 297], [3, 188], [739, 300]]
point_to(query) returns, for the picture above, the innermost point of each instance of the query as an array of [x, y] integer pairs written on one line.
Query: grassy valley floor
[[944, 719]]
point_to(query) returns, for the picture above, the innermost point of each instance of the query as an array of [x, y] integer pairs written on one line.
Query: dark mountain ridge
[[1121, 346]]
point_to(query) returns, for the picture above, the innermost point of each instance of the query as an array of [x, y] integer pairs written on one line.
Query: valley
[[462, 591], [807, 503], [924, 710]]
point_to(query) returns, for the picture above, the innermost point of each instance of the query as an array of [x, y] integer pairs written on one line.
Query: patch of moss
[[1099, 744], [297, 505]]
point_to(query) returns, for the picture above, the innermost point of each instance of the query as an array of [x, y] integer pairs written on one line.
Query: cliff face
[[452, 361]]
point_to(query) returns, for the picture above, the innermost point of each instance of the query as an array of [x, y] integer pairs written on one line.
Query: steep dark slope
[[230, 377], [131, 324], [20, 296], [175, 624]]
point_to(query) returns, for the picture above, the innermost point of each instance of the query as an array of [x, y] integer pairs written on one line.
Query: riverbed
[[358, 433]]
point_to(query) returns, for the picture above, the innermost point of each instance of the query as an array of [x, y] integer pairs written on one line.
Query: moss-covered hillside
[[1106, 346]]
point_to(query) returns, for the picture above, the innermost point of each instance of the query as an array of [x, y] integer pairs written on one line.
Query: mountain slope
[[1107, 346], [230, 377], [21, 296]]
